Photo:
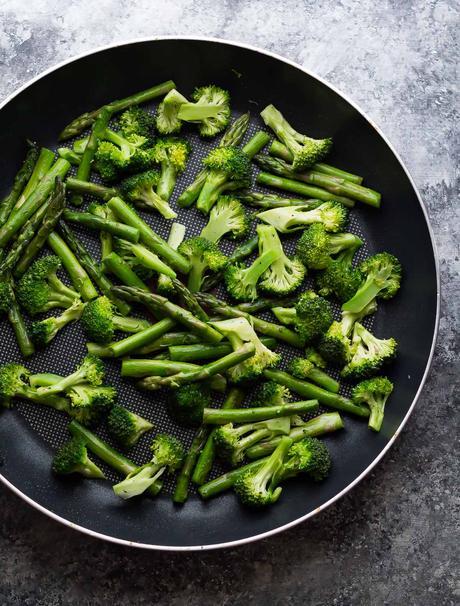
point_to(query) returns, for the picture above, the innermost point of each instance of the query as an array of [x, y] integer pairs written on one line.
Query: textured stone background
[[393, 539]]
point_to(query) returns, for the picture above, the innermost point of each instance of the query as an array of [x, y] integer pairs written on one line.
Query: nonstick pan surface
[[29, 435]]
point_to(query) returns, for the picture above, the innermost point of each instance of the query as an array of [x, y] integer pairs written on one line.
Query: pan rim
[[351, 485]]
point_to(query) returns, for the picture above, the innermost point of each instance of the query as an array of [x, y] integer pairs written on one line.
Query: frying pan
[[255, 78]]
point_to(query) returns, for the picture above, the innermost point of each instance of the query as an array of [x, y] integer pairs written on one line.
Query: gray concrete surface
[[394, 539]]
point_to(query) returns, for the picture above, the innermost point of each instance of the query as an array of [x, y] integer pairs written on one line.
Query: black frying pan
[[255, 78]]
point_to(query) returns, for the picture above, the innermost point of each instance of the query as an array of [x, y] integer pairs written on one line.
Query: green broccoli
[[140, 189], [90, 403], [232, 442], [176, 236], [315, 358], [40, 290], [168, 455], [44, 331], [339, 278], [304, 150], [313, 316], [117, 154], [304, 369], [368, 354], [72, 457], [211, 110], [144, 256], [271, 393], [228, 167], [171, 153], [91, 370], [285, 274], [167, 120], [258, 486], [241, 281], [100, 322], [332, 215], [14, 383], [186, 403], [136, 121], [227, 217], [126, 426], [309, 456], [316, 247], [373, 392], [203, 255], [238, 331], [382, 273]]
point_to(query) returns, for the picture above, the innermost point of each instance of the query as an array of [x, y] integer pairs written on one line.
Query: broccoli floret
[[238, 331], [186, 404], [43, 332], [305, 369], [285, 274], [211, 110], [309, 456], [373, 392], [6, 295], [40, 290], [259, 487], [91, 370], [119, 154], [339, 278], [382, 274], [271, 393], [171, 153], [72, 457], [301, 368], [313, 316], [228, 167], [368, 354], [100, 322], [140, 189], [204, 256], [136, 121], [14, 383], [241, 281], [167, 119], [305, 150], [168, 455], [315, 246], [332, 215], [232, 442], [227, 218], [317, 359], [126, 426], [90, 403]]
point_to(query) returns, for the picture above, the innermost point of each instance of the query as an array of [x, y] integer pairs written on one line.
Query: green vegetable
[[100, 322], [241, 281], [72, 457], [9, 306], [94, 222], [374, 393], [176, 236], [332, 215], [44, 331], [214, 416], [203, 255], [227, 216], [368, 354], [42, 166], [302, 368], [171, 153], [315, 246], [126, 426], [141, 190], [186, 404], [204, 351]]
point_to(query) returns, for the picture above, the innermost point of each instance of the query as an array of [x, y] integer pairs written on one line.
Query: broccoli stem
[[26, 347], [159, 246], [20, 181], [160, 304], [18, 218], [72, 157], [256, 143], [227, 480], [263, 304], [170, 338], [175, 238], [151, 260], [104, 213], [281, 151], [232, 137], [240, 253], [78, 276], [44, 162], [202, 373], [84, 168], [286, 315], [203, 351], [94, 222], [134, 341], [323, 424], [93, 269], [322, 379], [167, 180], [263, 327], [92, 189], [219, 416], [308, 390], [366, 293], [206, 457], [335, 185], [119, 268], [302, 189], [44, 379], [268, 201], [133, 325], [183, 479], [78, 125]]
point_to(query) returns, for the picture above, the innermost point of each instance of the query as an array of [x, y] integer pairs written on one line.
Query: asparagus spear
[[281, 151], [78, 276], [160, 304], [119, 268], [183, 479], [42, 166], [92, 189], [189, 300], [93, 269], [309, 390], [335, 185], [240, 253], [9, 305], [227, 480], [268, 201], [168, 339], [105, 237], [17, 218], [202, 373], [97, 132], [159, 246], [263, 304], [94, 222], [232, 136], [261, 326], [220, 416], [54, 211], [78, 125], [175, 238], [204, 351], [71, 156], [146, 257], [19, 182], [206, 456], [296, 187]]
